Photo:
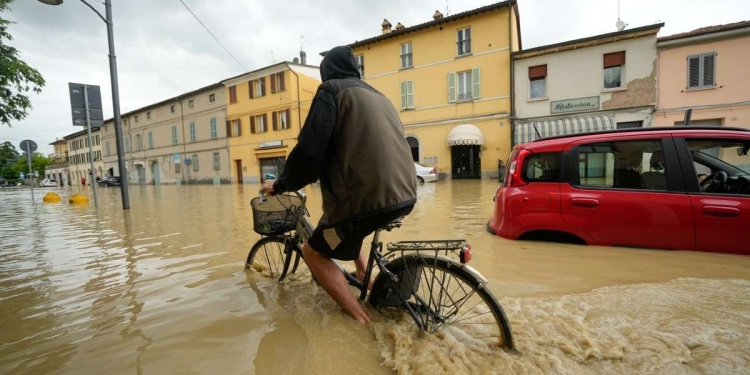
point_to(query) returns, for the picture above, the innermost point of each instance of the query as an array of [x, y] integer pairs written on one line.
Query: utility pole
[[91, 144]]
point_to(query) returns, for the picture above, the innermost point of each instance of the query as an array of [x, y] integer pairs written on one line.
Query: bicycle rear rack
[[447, 245]]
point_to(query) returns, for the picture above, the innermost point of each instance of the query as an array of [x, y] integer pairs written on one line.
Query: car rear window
[[542, 167]]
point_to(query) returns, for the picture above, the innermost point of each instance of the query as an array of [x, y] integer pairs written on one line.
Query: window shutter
[[476, 80], [452, 87], [539, 71], [282, 87], [709, 70], [232, 94], [694, 72], [250, 88], [252, 124], [273, 83], [265, 122], [410, 94], [614, 59], [288, 118], [403, 95], [275, 117], [262, 83], [239, 127]]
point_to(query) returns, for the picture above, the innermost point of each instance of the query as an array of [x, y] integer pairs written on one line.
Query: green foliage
[[38, 163], [16, 77], [8, 158]]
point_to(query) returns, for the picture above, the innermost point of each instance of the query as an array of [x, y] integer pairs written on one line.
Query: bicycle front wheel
[[444, 295], [268, 256]]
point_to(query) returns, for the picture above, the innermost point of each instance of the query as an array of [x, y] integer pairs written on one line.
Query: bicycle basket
[[275, 215]]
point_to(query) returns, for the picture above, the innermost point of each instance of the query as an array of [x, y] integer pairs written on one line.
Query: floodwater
[[162, 289]]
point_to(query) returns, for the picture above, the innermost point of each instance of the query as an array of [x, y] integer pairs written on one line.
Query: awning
[[527, 131], [465, 135]]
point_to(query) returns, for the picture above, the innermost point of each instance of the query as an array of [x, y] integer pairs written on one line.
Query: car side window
[[636, 164], [543, 167], [722, 166]]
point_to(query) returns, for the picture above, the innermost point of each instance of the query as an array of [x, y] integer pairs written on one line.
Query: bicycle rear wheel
[[267, 257], [444, 296]]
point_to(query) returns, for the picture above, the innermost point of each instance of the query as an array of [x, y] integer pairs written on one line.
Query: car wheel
[[420, 179]]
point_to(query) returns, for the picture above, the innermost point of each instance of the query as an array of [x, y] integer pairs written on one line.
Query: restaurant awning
[[465, 135], [530, 130]]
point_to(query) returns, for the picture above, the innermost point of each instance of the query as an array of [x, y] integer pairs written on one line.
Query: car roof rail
[[677, 128]]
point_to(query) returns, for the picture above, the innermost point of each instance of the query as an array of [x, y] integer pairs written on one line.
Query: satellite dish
[[620, 25]]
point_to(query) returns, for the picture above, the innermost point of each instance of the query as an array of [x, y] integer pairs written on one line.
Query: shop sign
[[575, 105], [270, 144]]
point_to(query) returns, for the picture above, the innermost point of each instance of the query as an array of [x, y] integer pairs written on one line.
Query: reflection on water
[[162, 289]]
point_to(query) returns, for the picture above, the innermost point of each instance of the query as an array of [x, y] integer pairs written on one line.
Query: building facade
[[178, 140], [265, 113], [79, 159], [59, 169], [705, 70], [450, 79], [603, 82]]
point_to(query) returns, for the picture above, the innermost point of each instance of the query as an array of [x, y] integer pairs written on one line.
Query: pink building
[[708, 70]]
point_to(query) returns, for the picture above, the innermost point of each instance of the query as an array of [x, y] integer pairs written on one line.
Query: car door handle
[[585, 202], [721, 211]]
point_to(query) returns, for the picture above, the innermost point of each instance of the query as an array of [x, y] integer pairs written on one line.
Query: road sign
[[28, 146], [78, 105]]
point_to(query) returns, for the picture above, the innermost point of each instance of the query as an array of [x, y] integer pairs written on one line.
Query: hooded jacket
[[354, 142]]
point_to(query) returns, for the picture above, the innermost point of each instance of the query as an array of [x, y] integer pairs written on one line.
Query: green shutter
[[410, 94], [452, 87], [476, 80], [403, 95]]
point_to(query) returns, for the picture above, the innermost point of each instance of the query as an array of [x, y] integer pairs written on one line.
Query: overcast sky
[[162, 51]]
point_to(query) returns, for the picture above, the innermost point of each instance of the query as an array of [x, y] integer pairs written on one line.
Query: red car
[[680, 188]]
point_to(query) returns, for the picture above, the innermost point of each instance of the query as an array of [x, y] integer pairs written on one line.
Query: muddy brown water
[[162, 289]]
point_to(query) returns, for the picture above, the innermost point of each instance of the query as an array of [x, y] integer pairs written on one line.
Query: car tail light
[[514, 174], [465, 254], [433, 171]]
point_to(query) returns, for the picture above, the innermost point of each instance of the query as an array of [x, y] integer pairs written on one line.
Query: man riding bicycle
[[354, 142]]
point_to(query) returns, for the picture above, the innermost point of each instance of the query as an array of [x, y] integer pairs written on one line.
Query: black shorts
[[344, 241]]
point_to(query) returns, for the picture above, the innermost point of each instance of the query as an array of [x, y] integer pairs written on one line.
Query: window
[[538, 81], [730, 156], [463, 41], [232, 94], [212, 98], [258, 124], [257, 88], [702, 71], [407, 95], [281, 120], [192, 132], [172, 109], [127, 143], [361, 65], [217, 161], [464, 86], [236, 128], [214, 131], [138, 142], [148, 115], [150, 140], [629, 124], [191, 103], [623, 165], [277, 82], [174, 135], [107, 149], [613, 64], [543, 167], [406, 56], [97, 141], [177, 167], [136, 118], [196, 164]]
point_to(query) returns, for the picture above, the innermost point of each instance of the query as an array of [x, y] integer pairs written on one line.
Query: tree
[[8, 158], [16, 77], [38, 163]]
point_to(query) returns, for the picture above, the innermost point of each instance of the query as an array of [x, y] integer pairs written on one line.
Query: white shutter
[[451, 87], [694, 72], [709, 70], [410, 94], [403, 95], [476, 83]]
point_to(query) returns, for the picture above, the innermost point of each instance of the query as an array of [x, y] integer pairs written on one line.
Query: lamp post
[[115, 94]]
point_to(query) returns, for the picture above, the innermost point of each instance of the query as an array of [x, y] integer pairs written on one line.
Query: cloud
[[163, 51]]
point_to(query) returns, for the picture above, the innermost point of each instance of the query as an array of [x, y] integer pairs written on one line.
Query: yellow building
[[451, 80], [266, 109]]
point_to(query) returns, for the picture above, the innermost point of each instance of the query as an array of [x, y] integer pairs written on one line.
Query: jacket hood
[[339, 63]]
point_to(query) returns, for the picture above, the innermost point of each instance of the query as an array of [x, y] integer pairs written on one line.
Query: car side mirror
[[742, 151]]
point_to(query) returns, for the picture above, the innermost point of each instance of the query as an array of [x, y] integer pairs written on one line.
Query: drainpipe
[[184, 146], [299, 104], [512, 75]]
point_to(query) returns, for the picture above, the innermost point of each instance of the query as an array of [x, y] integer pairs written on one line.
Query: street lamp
[[115, 94]]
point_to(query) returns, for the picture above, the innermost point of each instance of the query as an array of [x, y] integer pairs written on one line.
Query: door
[[414, 146], [141, 175], [154, 173], [238, 166], [465, 162], [721, 204], [272, 166], [628, 193]]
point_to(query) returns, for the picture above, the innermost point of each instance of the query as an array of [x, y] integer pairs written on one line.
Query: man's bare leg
[[361, 264], [334, 283]]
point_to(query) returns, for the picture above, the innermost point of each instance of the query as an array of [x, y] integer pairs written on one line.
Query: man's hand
[[268, 187]]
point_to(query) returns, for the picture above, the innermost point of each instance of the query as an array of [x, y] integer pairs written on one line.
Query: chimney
[[386, 26], [295, 60], [399, 26], [437, 15], [302, 58]]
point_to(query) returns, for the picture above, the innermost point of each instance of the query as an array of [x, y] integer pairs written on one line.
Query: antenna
[[301, 42], [447, 9], [620, 25], [273, 59]]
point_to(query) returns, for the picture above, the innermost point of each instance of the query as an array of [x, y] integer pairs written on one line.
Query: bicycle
[[430, 280]]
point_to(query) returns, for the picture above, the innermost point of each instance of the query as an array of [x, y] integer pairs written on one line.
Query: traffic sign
[[28, 146], [78, 99]]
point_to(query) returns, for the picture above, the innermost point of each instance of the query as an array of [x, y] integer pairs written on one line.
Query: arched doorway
[[414, 146], [141, 174], [466, 143], [155, 173]]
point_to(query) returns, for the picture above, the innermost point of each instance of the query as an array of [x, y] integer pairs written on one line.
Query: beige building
[[78, 156], [178, 140], [59, 169]]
